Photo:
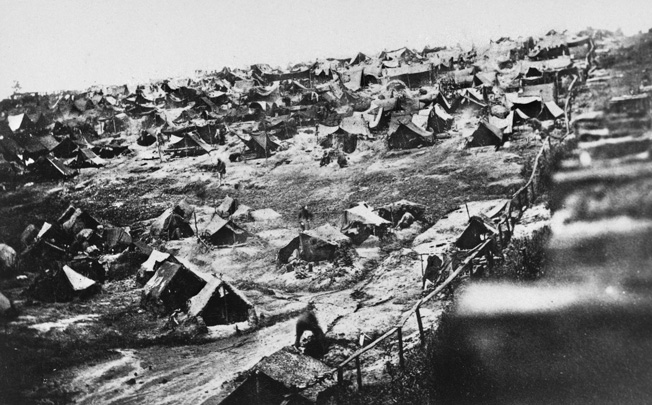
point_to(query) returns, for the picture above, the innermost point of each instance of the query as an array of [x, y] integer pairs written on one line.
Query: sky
[[51, 45]]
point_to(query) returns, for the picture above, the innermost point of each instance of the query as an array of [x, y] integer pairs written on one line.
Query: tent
[[546, 92], [352, 78], [73, 220], [261, 389], [62, 285], [406, 135], [321, 243], [154, 261], [53, 167], [286, 252], [486, 135], [19, 122], [117, 239], [189, 145], [65, 148], [439, 120], [414, 76], [222, 232], [174, 222], [170, 288], [551, 111], [530, 106], [360, 221], [475, 233], [228, 206], [394, 212], [87, 158], [260, 144], [220, 303]]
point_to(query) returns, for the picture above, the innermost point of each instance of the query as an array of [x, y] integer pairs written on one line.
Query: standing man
[[305, 217]]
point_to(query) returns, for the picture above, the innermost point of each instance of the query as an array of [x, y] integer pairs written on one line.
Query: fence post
[[401, 360], [420, 323], [500, 234], [357, 367], [340, 376]]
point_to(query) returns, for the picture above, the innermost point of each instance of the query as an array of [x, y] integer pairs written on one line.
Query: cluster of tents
[[357, 224], [405, 95]]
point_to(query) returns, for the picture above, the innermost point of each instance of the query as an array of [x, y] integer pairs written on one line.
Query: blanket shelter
[[414, 76], [439, 120], [261, 389], [260, 144], [65, 148], [394, 212], [174, 222], [352, 78], [530, 106], [486, 135], [62, 285], [32, 146], [189, 145], [154, 261], [546, 92], [220, 303], [52, 167], [551, 111], [475, 233], [321, 243], [222, 232], [85, 158], [19, 122], [109, 147], [116, 239], [73, 220], [288, 251], [404, 134], [228, 207], [170, 288], [295, 369], [89, 267], [360, 221]]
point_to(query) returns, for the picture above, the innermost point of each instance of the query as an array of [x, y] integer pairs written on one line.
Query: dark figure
[[433, 271], [305, 217], [220, 167], [308, 321], [325, 159], [341, 160]]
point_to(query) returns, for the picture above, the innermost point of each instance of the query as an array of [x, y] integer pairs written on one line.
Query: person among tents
[[220, 167]]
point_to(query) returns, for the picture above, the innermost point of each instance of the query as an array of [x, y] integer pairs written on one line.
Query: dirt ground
[[108, 350]]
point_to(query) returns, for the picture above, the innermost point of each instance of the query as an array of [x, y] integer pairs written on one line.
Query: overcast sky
[[71, 44]]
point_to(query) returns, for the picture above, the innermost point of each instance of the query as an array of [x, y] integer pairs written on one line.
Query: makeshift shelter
[[352, 78], [287, 251], [174, 223], [414, 76], [439, 120], [261, 389], [189, 145], [65, 148], [261, 144], [394, 212], [62, 285], [406, 135], [321, 243], [73, 220], [486, 135], [546, 92], [360, 221], [54, 168], [228, 206], [19, 122], [87, 158], [220, 303], [551, 111], [222, 232], [170, 288], [530, 106], [154, 261], [117, 239], [476, 232]]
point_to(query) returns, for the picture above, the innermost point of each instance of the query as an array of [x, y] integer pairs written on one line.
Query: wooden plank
[[401, 358], [359, 372], [420, 323]]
